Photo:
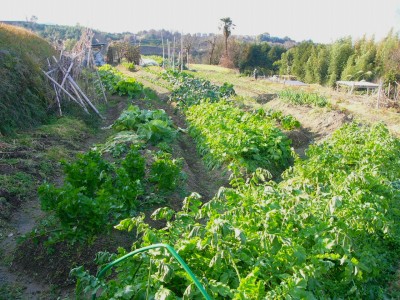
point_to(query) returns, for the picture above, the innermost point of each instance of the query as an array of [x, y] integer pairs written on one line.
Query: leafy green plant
[[303, 98], [227, 135], [189, 90], [116, 82], [129, 87], [129, 65], [134, 164], [88, 171], [329, 230], [94, 193], [151, 125], [288, 122], [166, 172]]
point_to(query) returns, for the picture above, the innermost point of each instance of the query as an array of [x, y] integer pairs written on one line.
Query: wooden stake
[[71, 80], [81, 103], [173, 55], [98, 76], [169, 53], [56, 91], [67, 73], [181, 56], [57, 84], [163, 51], [379, 94]]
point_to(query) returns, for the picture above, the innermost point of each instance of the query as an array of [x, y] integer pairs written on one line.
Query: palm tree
[[226, 26]]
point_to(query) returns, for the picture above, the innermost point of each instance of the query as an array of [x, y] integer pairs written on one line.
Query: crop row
[[117, 83], [245, 141], [329, 230], [189, 90], [98, 190], [303, 98]]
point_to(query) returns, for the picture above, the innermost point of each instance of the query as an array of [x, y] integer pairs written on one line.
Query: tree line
[[345, 59]]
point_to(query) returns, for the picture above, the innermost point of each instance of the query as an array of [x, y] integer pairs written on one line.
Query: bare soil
[[316, 123]]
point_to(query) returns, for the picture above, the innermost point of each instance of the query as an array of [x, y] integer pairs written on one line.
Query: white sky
[[319, 20]]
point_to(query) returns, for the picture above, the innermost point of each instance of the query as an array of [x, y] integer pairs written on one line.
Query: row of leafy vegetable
[[244, 141], [329, 230], [189, 90], [117, 83], [297, 97], [116, 179], [226, 134]]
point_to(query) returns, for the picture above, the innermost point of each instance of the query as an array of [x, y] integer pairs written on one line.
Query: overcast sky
[[319, 20]]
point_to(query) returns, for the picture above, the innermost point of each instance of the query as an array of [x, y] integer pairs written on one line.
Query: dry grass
[[24, 41], [22, 87]]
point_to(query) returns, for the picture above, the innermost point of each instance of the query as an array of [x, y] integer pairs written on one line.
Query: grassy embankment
[[24, 99]]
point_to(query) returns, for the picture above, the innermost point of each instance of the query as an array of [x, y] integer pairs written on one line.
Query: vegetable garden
[[326, 227]]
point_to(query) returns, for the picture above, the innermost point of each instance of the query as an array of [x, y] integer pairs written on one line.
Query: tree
[[33, 19], [188, 41], [227, 27], [361, 64], [341, 50], [212, 41], [132, 54], [286, 62], [309, 76], [322, 64], [302, 53]]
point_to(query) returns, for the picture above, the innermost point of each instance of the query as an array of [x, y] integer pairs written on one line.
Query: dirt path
[[16, 282]]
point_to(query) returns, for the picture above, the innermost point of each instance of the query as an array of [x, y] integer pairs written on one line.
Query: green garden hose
[[144, 249]]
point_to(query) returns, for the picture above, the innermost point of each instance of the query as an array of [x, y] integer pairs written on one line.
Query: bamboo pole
[[71, 80], [56, 91], [51, 71], [81, 102], [163, 51], [64, 90], [65, 76], [173, 55], [73, 83], [101, 84], [379, 94], [181, 60], [169, 53]]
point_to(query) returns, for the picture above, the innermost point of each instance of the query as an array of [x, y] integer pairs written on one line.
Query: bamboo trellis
[[65, 72]]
